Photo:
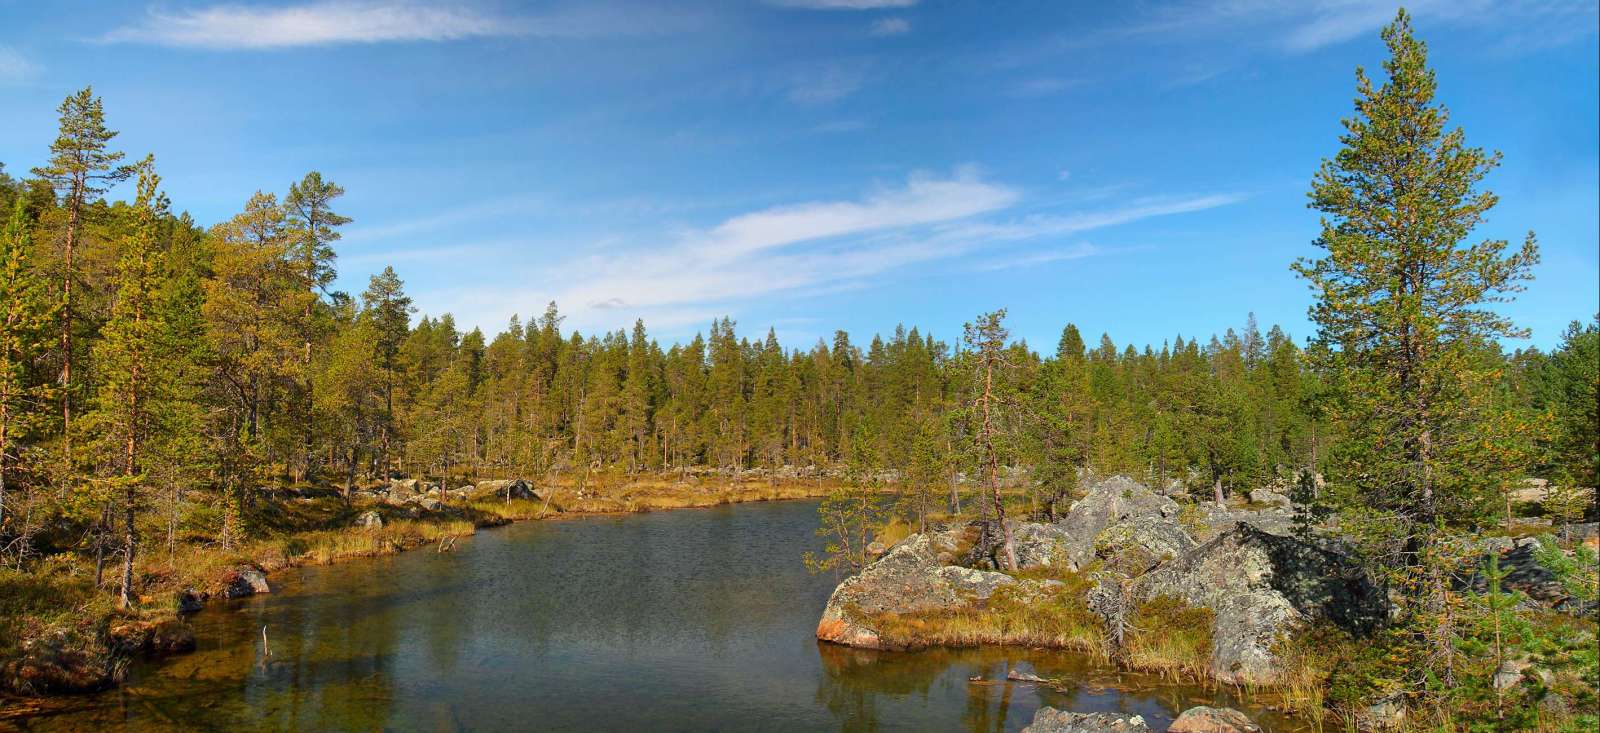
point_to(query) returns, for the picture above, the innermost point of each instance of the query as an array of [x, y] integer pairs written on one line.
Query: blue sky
[[1138, 168]]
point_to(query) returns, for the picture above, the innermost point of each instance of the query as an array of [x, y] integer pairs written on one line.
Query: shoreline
[[91, 651]]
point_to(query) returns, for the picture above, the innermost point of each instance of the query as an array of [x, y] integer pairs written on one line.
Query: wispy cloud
[[826, 246], [232, 26], [1041, 87], [890, 27], [14, 67], [1031, 259], [826, 84], [843, 4]]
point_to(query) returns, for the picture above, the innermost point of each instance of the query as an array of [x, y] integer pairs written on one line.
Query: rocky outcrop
[[1038, 545], [1524, 573], [507, 489], [370, 520], [246, 582], [1268, 496], [1137, 544], [909, 578], [1212, 519], [1260, 586], [1109, 502], [1207, 719], [64, 661], [1051, 720], [189, 601]]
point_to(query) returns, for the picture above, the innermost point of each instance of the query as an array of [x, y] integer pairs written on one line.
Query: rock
[[1587, 533], [246, 582], [1107, 503], [507, 488], [907, 579], [1260, 586], [63, 661], [1523, 573], [1555, 706], [1268, 496], [1388, 713], [876, 549], [1135, 545], [1206, 719], [370, 520], [1051, 720], [1509, 674], [1016, 676], [429, 503], [403, 489], [189, 601], [1038, 545], [1532, 491], [1214, 519]]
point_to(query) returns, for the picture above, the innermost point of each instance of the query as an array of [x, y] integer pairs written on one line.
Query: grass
[[1053, 617], [1170, 638]]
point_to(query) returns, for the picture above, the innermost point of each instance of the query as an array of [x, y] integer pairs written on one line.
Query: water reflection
[[689, 620]]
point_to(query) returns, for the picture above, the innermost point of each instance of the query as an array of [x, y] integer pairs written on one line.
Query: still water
[[684, 620]]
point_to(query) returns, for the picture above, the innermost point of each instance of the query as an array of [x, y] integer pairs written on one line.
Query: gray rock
[[1260, 586], [1388, 713], [1207, 719], [1268, 496], [909, 578], [1135, 545], [429, 503], [370, 519], [1509, 674], [1108, 502], [246, 582], [1038, 545], [1214, 519], [403, 489], [507, 489], [1051, 720]]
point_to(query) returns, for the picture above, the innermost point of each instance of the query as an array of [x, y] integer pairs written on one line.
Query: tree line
[[156, 375]]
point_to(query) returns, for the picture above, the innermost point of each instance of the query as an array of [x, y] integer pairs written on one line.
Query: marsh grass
[[1053, 617], [1170, 638]]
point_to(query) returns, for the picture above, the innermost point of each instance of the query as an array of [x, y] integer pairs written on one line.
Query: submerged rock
[[1260, 586], [1207, 719], [246, 582], [1051, 720]]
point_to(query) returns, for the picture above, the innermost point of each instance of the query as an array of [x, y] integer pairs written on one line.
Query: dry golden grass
[[1052, 618], [1170, 638]]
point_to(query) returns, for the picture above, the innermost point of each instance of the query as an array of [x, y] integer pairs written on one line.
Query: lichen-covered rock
[[1212, 519], [909, 578], [1136, 544], [246, 582], [1207, 719], [1038, 545], [1388, 713], [1524, 573], [1108, 502], [1268, 496], [1051, 720], [507, 489], [370, 520], [1260, 586]]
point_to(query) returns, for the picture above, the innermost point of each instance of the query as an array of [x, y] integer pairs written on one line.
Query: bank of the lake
[[691, 620]]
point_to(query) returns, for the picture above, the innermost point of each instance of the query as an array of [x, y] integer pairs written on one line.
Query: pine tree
[[1402, 306], [1401, 297], [313, 228], [987, 337], [389, 309], [80, 168], [128, 409], [25, 313]]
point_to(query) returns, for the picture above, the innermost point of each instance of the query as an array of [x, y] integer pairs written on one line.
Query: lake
[[696, 619]]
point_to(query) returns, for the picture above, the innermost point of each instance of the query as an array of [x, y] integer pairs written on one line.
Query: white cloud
[[824, 85], [827, 246], [1030, 259], [14, 68], [891, 27], [233, 26], [844, 4]]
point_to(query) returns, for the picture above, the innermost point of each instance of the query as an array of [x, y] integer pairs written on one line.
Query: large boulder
[[1519, 560], [369, 519], [909, 578], [1051, 720], [1268, 496], [1038, 545], [1212, 519], [1136, 544], [1259, 587], [507, 489], [1108, 502], [402, 489], [246, 582], [1207, 719]]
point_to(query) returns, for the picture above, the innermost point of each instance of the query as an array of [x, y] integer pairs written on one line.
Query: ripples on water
[[683, 620]]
